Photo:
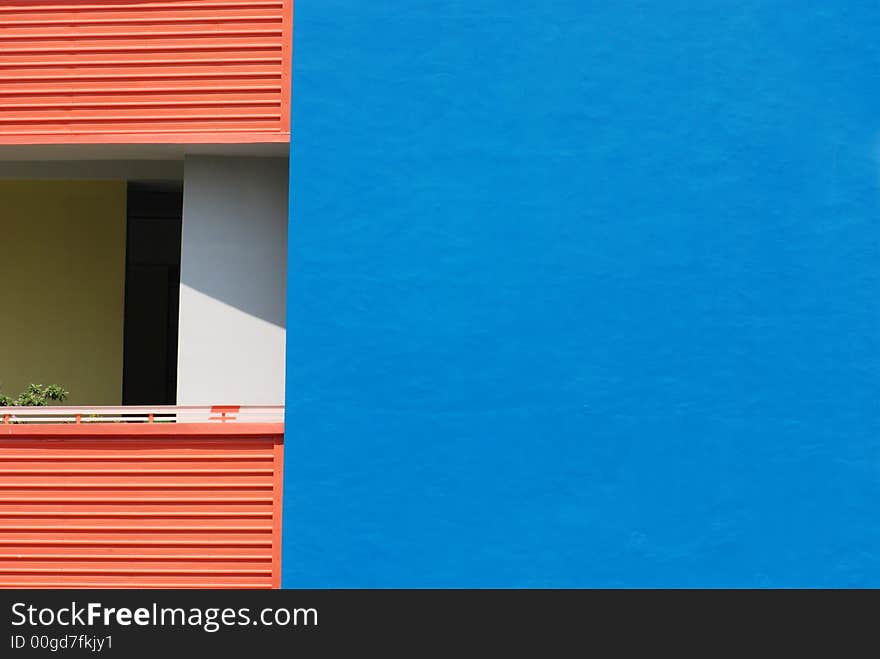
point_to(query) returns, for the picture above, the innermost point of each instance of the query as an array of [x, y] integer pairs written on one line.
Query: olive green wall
[[62, 273]]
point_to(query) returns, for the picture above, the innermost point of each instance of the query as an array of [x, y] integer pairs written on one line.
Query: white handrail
[[145, 414]]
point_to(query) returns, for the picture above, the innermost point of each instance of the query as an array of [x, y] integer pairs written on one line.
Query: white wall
[[233, 274]]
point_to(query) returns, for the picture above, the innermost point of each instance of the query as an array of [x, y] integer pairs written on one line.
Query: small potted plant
[[36, 395]]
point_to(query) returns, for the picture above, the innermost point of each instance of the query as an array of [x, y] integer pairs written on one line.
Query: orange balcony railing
[[164, 497]]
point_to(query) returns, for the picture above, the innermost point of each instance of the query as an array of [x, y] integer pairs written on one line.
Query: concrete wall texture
[[62, 273], [584, 294], [233, 265]]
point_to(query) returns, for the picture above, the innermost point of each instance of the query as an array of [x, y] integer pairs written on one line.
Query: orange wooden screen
[[135, 71], [140, 505]]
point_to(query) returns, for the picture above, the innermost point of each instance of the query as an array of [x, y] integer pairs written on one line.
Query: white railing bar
[[125, 409], [144, 414]]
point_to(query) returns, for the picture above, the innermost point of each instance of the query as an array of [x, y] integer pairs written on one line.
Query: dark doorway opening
[[152, 293]]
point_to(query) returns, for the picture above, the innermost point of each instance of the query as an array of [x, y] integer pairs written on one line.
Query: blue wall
[[584, 294]]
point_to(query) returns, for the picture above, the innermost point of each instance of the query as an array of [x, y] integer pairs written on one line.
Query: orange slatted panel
[[134, 71], [151, 505]]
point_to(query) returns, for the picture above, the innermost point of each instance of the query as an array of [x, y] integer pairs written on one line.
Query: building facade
[[144, 151], [555, 294]]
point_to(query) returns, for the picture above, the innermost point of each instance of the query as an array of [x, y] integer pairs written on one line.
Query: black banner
[[170, 623]]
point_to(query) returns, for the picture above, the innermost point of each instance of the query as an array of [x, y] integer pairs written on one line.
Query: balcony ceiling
[[79, 152]]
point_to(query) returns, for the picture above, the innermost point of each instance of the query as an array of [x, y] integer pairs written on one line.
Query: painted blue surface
[[584, 294]]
